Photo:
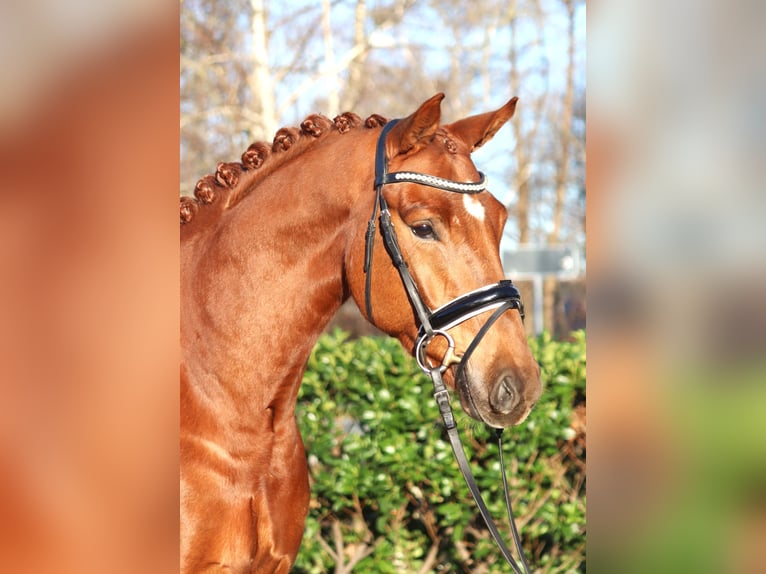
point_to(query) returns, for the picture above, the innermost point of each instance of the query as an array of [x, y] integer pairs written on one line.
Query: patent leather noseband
[[476, 302], [500, 297]]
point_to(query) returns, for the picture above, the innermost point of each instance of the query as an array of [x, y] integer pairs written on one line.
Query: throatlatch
[[498, 297]]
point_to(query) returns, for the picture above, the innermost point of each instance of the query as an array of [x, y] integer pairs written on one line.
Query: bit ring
[[449, 358]]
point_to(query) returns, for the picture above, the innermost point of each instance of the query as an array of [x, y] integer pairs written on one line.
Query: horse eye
[[424, 231]]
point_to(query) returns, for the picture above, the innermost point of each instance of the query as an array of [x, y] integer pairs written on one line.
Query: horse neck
[[260, 286]]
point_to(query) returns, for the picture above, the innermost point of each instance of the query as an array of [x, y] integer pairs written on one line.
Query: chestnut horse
[[270, 249]]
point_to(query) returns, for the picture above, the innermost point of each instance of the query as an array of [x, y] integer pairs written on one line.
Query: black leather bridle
[[500, 297]]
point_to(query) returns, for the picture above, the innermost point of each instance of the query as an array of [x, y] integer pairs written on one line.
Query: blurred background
[[676, 277], [676, 252], [89, 287]]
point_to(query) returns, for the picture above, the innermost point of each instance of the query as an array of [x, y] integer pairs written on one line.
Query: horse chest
[[244, 508]]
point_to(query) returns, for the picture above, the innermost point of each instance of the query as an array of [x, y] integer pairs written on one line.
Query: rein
[[500, 297]]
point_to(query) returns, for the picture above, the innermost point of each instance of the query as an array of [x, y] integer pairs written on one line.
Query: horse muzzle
[[498, 400], [502, 402]]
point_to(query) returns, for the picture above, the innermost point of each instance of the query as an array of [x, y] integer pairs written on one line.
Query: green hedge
[[387, 495]]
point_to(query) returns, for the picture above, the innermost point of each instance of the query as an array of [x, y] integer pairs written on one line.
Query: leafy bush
[[387, 495]]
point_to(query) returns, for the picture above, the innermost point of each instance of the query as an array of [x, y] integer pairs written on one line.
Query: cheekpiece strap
[[381, 161]]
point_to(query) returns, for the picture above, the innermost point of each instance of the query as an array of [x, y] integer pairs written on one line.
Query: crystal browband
[[438, 182]]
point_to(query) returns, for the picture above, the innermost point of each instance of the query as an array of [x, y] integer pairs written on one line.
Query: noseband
[[500, 297]]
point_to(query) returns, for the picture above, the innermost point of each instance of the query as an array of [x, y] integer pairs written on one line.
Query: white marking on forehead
[[473, 206]]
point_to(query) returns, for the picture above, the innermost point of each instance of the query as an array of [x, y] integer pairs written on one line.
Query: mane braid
[[233, 181]]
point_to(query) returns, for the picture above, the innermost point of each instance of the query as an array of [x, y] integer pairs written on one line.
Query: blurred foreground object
[[677, 272], [88, 312]]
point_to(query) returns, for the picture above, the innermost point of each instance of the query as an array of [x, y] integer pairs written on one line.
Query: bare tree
[[526, 125], [354, 86], [260, 80], [214, 86], [562, 178]]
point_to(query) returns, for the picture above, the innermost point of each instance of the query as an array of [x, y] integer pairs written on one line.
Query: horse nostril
[[504, 396]]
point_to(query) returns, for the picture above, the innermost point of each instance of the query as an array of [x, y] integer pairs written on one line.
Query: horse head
[[449, 240]]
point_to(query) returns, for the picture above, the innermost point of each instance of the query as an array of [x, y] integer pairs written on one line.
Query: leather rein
[[500, 297]]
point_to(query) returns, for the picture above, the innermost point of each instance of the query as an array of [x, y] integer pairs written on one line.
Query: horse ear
[[477, 130], [415, 131]]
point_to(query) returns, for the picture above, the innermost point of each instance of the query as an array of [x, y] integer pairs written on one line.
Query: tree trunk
[[356, 77], [565, 131], [260, 80], [523, 167], [332, 79]]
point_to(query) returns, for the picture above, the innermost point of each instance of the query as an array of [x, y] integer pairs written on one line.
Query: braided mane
[[232, 181]]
